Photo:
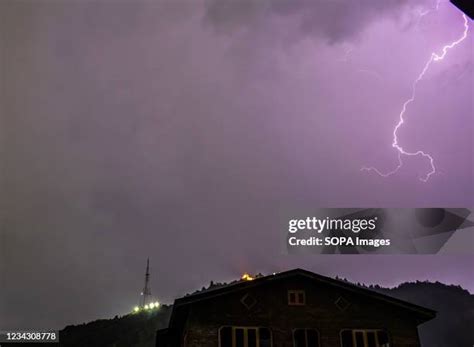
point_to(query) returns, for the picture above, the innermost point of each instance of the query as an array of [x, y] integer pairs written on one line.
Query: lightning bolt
[[434, 57]]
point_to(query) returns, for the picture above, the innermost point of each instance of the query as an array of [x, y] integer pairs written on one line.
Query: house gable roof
[[423, 313]]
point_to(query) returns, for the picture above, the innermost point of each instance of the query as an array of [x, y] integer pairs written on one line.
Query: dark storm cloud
[[334, 21]]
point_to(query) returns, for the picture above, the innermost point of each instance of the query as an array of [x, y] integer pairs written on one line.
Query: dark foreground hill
[[453, 327], [133, 330], [454, 324]]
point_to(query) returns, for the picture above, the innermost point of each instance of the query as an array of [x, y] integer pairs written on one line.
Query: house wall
[[320, 312]]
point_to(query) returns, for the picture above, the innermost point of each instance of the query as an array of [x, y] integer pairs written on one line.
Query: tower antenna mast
[[146, 293]]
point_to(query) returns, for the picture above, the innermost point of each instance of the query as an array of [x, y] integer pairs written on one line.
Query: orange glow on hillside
[[246, 277]]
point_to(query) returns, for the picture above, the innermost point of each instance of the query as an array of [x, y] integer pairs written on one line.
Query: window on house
[[305, 338], [225, 337], [296, 297], [364, 338], [244, 337]]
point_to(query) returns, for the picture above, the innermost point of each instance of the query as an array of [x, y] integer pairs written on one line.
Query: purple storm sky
[[179, 130]]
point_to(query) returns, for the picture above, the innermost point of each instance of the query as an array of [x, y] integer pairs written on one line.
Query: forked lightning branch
[[402, 151]]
